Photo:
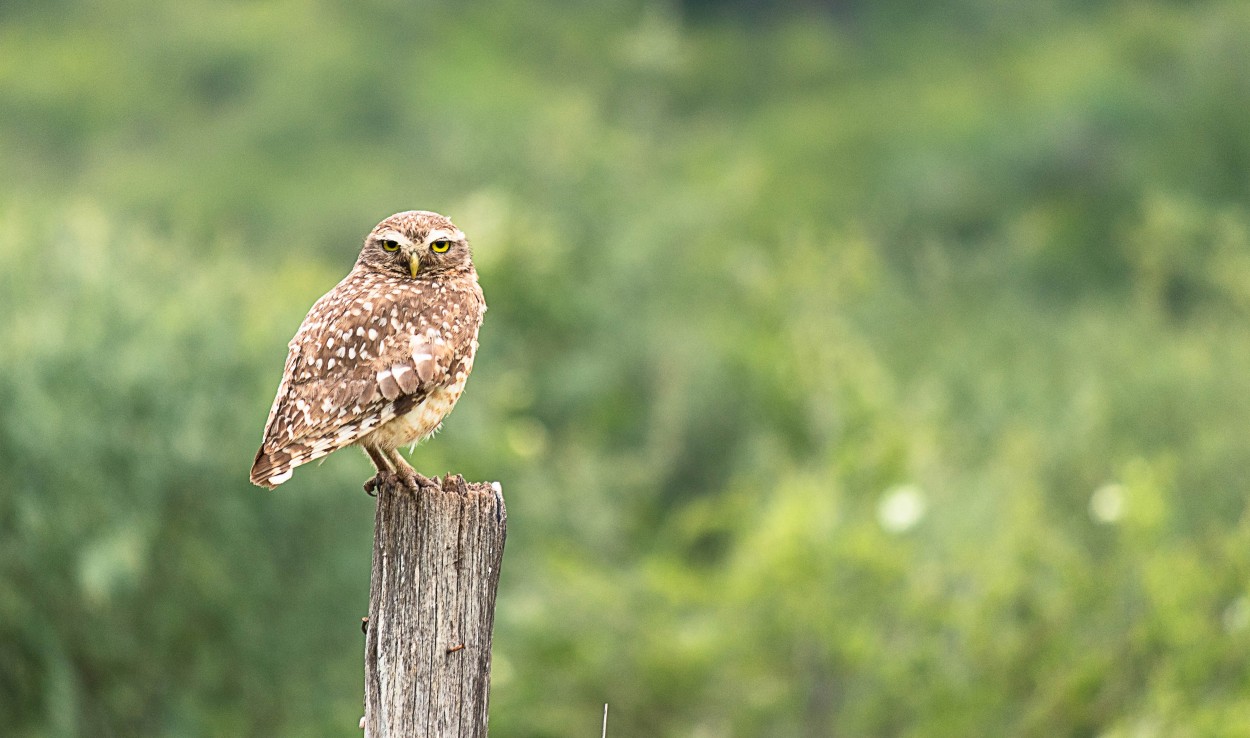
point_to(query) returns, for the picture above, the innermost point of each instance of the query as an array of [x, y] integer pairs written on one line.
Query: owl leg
[[381, 462], [411, 477]]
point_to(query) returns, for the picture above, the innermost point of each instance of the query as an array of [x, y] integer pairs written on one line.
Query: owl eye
[[389, 244], [440, 246]]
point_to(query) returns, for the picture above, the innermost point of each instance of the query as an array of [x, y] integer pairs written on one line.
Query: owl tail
[[275, 467]]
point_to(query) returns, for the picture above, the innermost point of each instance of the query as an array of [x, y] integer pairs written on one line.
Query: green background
[[852, 368]]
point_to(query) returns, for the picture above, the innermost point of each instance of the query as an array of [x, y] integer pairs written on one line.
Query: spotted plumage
[[382, 358]]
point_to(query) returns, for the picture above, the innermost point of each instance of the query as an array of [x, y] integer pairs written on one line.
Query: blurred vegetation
[[869, 369]]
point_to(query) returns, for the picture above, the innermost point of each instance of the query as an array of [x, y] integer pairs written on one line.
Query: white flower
[[1106, 505], [901, 508]]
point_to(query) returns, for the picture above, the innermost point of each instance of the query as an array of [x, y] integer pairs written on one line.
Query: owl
[[382, 358]]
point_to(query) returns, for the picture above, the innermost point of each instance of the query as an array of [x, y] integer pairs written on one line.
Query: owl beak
[[414, 264]]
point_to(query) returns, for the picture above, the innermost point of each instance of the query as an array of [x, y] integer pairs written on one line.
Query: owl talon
[[416, 480], [378, 481]]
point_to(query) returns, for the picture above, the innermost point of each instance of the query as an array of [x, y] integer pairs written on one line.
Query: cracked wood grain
[[436, 557]]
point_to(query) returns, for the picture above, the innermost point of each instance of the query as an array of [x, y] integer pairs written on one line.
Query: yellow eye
[[440, 246], [390, 244]]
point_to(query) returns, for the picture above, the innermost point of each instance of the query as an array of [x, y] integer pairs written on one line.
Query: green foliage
[[861, 370]]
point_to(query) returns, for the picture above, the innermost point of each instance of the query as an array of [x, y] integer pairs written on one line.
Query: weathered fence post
[[436, 556]]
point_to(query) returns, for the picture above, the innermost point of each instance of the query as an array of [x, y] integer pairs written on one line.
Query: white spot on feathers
[[388, 385], [405, 378]]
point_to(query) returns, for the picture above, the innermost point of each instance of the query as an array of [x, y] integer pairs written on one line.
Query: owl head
[[415, 244]]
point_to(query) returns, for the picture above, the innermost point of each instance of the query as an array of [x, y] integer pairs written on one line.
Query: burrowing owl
[[382, 357]]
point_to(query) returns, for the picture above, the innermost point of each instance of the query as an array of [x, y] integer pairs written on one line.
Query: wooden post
[[436, 556]]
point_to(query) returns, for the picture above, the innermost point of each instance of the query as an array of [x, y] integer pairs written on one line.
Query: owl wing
[[362, 357]]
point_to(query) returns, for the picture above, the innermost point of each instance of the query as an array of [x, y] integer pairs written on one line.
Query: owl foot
[[416, 480], [379, 480]]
